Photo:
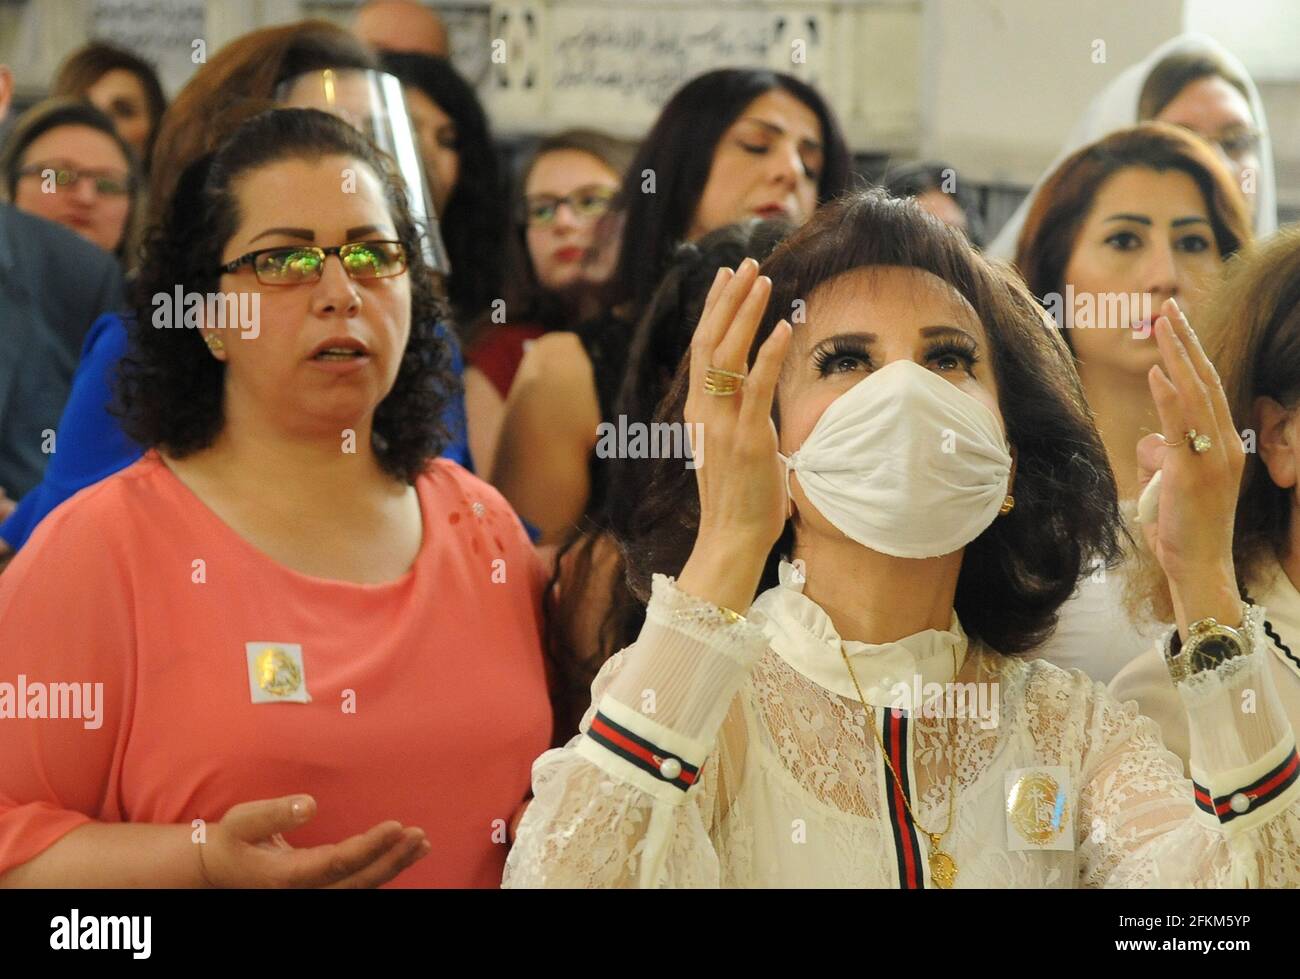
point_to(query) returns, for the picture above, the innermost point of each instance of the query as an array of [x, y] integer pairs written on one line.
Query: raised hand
[[740, 477], [1192, 533]]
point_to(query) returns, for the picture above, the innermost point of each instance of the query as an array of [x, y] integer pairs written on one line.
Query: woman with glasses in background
[[315, 648], [556, 264], [245, 73], [66, 163]]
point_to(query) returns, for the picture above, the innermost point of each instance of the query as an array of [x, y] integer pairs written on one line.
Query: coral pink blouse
[[428, 695]]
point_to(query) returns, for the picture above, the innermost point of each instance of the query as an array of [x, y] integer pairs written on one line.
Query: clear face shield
[[373, 102]]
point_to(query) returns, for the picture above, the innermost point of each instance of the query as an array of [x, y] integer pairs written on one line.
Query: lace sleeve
[[630, 801], [1236, 823]]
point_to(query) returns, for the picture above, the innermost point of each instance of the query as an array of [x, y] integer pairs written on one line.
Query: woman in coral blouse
[[287, 647]]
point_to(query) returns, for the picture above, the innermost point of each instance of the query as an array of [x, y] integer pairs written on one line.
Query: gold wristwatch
[[1208, 644]]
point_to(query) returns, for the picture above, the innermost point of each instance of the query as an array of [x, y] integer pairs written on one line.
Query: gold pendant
[[943, 868]]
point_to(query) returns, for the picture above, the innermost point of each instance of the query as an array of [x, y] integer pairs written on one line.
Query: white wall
[[1005, 80]]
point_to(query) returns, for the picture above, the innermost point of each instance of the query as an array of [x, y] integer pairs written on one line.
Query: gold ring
[[722, 382], [1198, 443]]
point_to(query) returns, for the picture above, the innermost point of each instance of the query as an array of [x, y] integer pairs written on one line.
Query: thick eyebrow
[[1143, 219], [776, 130], [947, 330], [1135, 218], [867, 338], [306, 234]]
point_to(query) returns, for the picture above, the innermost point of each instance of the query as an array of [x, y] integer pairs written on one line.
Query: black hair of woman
[[677, 154], [477, 212], [172, 390]]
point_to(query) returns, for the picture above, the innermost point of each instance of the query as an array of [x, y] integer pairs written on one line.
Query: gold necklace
[[943, 868]]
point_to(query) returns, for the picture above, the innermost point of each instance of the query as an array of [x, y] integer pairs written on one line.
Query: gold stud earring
[[1008, 505], [215, 344]]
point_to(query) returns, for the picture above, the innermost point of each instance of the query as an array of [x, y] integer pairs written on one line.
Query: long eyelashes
[[963, 350], [841, 350]]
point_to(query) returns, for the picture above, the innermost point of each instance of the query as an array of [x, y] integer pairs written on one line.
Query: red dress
[[500, 351]]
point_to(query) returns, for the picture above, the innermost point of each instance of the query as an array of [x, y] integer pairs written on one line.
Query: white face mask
[[904, 463]]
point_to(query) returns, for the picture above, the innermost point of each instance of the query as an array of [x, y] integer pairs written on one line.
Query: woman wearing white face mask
[[763, 748]]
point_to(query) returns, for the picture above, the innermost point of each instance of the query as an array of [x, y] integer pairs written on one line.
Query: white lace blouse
[[737, 754]]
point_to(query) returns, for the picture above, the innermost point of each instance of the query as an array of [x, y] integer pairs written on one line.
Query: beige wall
[[991, 86], [1007, 79]]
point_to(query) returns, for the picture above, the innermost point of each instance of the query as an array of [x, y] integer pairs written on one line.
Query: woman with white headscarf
[[1216, 99]]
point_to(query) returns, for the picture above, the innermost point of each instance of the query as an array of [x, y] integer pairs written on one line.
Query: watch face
[[1213, 650]]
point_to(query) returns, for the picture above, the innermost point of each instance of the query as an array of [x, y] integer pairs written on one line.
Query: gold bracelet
[[704, 615], [731, 617]]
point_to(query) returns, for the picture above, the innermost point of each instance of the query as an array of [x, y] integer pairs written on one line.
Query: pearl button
[[1239, 802], [670, 768]]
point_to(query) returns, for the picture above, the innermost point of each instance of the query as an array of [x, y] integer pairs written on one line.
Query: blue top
[[53, 285], [90, 444]]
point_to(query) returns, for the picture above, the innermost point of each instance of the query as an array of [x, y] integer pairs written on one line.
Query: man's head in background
[[401, 25]]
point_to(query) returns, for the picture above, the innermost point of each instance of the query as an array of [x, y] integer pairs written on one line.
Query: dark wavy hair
[[679, 151], [171, 390], [1017, 573], [477, 212]]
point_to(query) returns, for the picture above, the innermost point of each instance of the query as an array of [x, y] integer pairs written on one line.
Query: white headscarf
[[1116, 107]]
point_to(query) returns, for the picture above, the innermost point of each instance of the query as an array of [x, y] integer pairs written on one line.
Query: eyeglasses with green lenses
[[108, 184], [588, 203], [294, 264]]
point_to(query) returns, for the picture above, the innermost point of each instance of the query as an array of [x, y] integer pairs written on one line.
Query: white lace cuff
[[660, 716], [1243, 764]]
